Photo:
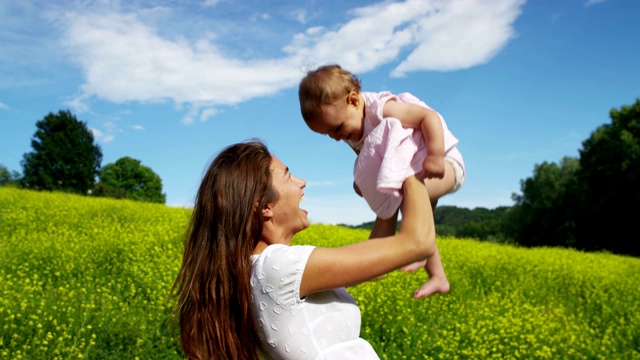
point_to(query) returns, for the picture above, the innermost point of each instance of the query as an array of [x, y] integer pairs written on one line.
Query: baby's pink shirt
[[389, 155]]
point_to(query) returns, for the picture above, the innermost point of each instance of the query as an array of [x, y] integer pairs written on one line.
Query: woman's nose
[[301, 182]]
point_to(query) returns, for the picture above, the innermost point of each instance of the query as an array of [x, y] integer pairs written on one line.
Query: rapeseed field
[[89, 278]]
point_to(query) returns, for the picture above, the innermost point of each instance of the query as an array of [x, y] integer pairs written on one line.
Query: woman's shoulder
[[277, 272], [281, 253]]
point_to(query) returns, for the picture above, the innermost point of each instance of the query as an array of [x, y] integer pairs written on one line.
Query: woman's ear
[[267, 211]]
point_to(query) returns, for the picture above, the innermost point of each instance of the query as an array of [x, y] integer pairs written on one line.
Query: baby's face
[[342, 120]]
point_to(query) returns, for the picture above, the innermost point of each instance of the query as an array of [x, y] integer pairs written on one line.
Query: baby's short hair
[[322, 86]]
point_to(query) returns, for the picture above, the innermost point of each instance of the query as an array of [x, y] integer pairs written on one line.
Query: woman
[[242, 288]]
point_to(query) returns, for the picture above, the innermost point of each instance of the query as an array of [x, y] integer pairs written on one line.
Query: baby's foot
[[432, 286], [415, 266]]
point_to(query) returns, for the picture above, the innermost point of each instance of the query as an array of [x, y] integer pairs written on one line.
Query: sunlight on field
[[505, 303], [89, 278], [86, 277]]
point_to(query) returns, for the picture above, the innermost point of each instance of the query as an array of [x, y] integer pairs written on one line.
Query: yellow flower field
[[89, 278]]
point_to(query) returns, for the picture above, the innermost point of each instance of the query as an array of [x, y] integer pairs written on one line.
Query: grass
[[88, 278]]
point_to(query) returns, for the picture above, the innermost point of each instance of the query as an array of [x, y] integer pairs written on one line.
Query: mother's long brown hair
[[214, 294]]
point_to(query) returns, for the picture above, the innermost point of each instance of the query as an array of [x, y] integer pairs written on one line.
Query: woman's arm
[[329, 268]]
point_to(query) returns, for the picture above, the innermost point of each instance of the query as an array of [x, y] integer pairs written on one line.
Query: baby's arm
[[428, 121]]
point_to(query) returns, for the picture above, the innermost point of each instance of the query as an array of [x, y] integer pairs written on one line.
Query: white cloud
[[312, 184], [108, 135], [3, 106], [260, 17], [137, 127], [210, 3], [461, 34], [441, 36], [100, 136], [301, 15], [594, 2], [207, 113], [126, 59], [78, 104]]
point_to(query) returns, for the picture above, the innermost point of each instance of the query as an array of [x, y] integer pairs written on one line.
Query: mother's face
[[287, 214]]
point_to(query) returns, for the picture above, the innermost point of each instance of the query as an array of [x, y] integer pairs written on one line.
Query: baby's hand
[[433, 167]]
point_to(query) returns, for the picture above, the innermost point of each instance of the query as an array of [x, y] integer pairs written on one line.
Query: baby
[[381, 129]]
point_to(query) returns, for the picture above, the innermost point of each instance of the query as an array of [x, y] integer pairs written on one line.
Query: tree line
[[586, 203], [65, 158]]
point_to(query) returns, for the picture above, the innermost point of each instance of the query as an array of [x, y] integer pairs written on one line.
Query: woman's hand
[[330, 268]]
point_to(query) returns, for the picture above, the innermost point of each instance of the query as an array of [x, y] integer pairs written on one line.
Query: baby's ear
[[353, 98]]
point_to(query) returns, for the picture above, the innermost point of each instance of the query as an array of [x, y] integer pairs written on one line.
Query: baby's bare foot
[[432, 286]]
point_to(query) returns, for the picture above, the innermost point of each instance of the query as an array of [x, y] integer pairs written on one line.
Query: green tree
[[8, 178], [479, 223], [64, 155], [544, 214], [128, 178], [610, 173], [486, 225]]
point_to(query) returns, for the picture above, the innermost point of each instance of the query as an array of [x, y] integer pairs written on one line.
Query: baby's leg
[[436, 188], [438, 282], [383, 228]]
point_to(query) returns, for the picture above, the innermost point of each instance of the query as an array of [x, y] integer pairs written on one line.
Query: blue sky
[[172, 82]]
